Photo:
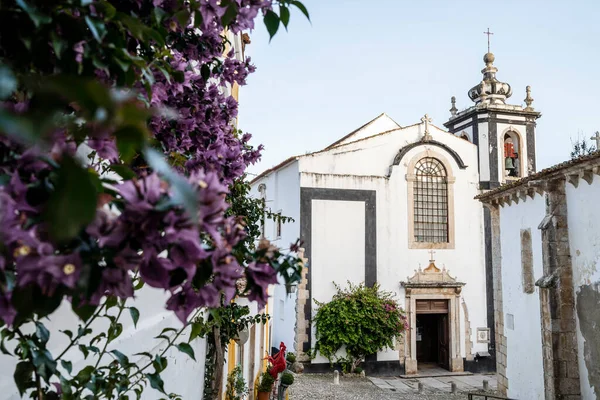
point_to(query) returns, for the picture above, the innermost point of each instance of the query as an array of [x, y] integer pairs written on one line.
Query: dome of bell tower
[[490, 90]]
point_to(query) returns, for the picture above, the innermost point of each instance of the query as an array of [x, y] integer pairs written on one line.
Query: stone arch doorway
[[432, 303]]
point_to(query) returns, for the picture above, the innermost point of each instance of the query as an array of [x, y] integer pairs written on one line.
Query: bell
[[508, 163]]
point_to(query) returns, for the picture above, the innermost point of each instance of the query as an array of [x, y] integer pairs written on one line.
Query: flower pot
[[263, 395]]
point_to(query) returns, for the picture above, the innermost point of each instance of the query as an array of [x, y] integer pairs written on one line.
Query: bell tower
[[503, 133]]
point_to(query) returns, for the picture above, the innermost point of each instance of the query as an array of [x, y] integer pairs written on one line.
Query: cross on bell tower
[[488, 33]]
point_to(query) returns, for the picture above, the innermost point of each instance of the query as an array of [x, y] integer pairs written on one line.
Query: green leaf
[[135, 315], [205, 71], [187, 349], [130, 139], [178, 76], [183, 192], [89, 94], [84, 350], [37, 18], [85, 374], [41, 332], [107, 9], [72, 205], [284, 14], [114, 332], [139, 30], [44, 363], [230, 14], [19, 128], [110, 302], [123, 360], [271, 22], [156, 381], [97, 28], [159, 364], [8, 82], [301, 7], [123, 170], [22, 376], [67, 365], [196, 330]]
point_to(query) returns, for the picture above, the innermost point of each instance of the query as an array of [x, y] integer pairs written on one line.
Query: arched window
[[430, 190]]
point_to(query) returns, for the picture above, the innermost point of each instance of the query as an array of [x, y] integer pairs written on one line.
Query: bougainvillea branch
[[119, 154]]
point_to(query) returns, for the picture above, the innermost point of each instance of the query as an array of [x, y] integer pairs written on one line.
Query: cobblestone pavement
[[467, 383], [321, 387]]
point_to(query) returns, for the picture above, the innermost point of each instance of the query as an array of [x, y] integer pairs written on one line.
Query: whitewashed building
[[396, 205], [546, 249]]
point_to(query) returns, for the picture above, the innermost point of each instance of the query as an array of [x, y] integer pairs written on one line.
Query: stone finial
[[528, 99], [453, 110]]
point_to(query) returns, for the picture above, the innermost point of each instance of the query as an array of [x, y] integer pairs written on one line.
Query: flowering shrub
[[117, 154], [362, 319]]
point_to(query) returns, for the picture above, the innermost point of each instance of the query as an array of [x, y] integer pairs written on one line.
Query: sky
[[356, 59]]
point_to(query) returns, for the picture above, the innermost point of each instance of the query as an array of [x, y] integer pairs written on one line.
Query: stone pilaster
[[500, 338], [302, 324], [559, 336]]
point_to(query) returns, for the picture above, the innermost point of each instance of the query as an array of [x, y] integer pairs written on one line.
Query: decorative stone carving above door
[[432, 284]]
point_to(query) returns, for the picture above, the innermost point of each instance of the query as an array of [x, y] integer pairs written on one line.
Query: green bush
[[358, 370], [266, 382], [291, 357], [287, 378], [363, 319], [236, 385]]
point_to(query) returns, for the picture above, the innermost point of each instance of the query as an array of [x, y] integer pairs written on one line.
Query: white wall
[[524, 368], [584, 237], [338, 249], [182, 376], [282, 194]]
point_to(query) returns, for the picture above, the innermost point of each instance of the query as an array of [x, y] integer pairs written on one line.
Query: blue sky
[[358, 59]]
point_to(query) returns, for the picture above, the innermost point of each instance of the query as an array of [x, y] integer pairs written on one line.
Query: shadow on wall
[[588, 312]]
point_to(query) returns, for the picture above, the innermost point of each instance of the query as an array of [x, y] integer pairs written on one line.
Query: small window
[[430, 201]]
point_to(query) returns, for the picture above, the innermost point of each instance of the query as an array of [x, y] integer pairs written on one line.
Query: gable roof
[[380, 117]]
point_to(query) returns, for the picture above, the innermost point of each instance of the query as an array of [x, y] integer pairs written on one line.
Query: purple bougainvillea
[[138, 229]]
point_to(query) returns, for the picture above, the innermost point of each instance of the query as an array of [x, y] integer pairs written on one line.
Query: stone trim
[[410, 349], [307, 195], [302, 324], [403, 151], [410, 178], [499, 337], [468, 340], [559, 329]]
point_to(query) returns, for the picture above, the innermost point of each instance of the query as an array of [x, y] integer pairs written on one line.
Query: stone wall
[[563, 358], [302, 329], [500, 338]]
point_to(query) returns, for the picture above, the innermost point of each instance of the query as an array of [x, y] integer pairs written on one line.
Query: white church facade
[[396, 205]]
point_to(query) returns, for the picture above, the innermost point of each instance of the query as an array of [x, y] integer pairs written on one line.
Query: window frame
[[411, 177]]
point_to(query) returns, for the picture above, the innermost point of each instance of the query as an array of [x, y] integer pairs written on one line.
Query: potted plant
[[236, 388], [290, 358], [287, 378], [265, 386]]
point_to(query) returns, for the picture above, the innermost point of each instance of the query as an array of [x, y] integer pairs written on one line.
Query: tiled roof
[[545, 173]]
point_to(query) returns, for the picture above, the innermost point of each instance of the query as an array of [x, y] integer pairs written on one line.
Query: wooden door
[[443, 342]]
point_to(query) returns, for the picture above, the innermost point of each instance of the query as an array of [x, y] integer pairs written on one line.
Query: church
[[395, 205]]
